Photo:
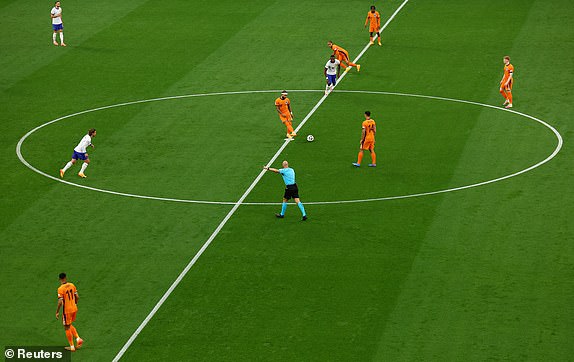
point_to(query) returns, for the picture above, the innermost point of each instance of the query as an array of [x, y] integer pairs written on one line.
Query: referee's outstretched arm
[[270, 169]]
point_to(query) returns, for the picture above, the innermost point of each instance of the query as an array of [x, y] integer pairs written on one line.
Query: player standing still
[[68, 298], [367, 140], [283, 106], [80, 153], [57, 24], [374, 21], [291, 189], [332, 71], [507, 82]]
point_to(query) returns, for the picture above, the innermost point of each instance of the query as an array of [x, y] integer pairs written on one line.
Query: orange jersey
[[370, 128], [337, 50], [67, 292], [283, 105], [508, 70], [374, 19]]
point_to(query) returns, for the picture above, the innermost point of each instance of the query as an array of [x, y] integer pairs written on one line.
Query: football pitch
[[459, 245]]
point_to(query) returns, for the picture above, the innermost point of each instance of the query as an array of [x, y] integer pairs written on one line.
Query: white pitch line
[[396, 197], [230, 213], [101, 108]]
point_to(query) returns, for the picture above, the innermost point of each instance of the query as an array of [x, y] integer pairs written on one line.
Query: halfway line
[[235, 207]]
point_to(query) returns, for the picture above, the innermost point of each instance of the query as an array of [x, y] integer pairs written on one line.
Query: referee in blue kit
[[291, 190]]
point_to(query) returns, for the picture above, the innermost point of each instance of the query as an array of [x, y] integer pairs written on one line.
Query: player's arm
[[60, 304], [271, 169], [363, 135], [289, 107], [76, 297], [509, 79], [367, 20], [278, 109], [325, 72], [338, 70], [502, 80]]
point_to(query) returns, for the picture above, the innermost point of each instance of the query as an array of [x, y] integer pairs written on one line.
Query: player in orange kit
[[507, 82], [343, 56], [367, 140], [374, 18], [283, 105], [68, 299]]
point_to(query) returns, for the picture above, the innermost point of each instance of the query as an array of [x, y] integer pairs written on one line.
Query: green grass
[[477, 274]]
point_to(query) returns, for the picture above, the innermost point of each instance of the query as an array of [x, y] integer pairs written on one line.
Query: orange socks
[[70, 337], [374, 157], [509, 96], [289, 127], [74, 332], [360, 158], [503, 92], [352, 64]]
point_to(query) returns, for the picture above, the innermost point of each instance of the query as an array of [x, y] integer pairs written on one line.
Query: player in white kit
[[57, 24], [332, 72], [80, 154]]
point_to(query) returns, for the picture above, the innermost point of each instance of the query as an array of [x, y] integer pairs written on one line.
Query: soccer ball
[[310, 138]]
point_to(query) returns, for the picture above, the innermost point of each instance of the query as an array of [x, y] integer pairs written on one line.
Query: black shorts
[[291, 191]]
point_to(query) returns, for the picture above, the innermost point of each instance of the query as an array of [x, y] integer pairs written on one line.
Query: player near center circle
[[57, 24], [283, 106], [367, 140], [343, 56], [80, 154], [67, 300], [374, 21], [507, 82], [291, 189], [332, 71]]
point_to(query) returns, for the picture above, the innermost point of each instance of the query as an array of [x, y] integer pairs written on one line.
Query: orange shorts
[[508, 87], [285, 118], [374, 29], [368, 145], [68, 318], [343, 56]]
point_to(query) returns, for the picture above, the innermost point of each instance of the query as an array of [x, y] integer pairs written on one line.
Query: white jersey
[[58, 11], [84, 143], [332, 67]]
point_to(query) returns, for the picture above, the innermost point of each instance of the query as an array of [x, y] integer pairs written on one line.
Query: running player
[[68, 298], [367, 140], [507, 82], [283, 106], [80, 153], [57, 24], [332, 71], [343, 56], [374, 21], [291, 189]]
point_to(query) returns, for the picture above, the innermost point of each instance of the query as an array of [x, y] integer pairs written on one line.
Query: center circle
[[458, 188]]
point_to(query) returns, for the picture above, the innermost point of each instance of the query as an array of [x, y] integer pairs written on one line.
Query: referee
[[291, 190]]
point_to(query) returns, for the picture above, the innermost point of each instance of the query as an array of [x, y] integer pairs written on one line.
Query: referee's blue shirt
[[288, 175]]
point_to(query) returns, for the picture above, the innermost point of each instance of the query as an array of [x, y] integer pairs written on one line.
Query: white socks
[[61, 37], [68, 165], [54, 37], [84, 165]]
